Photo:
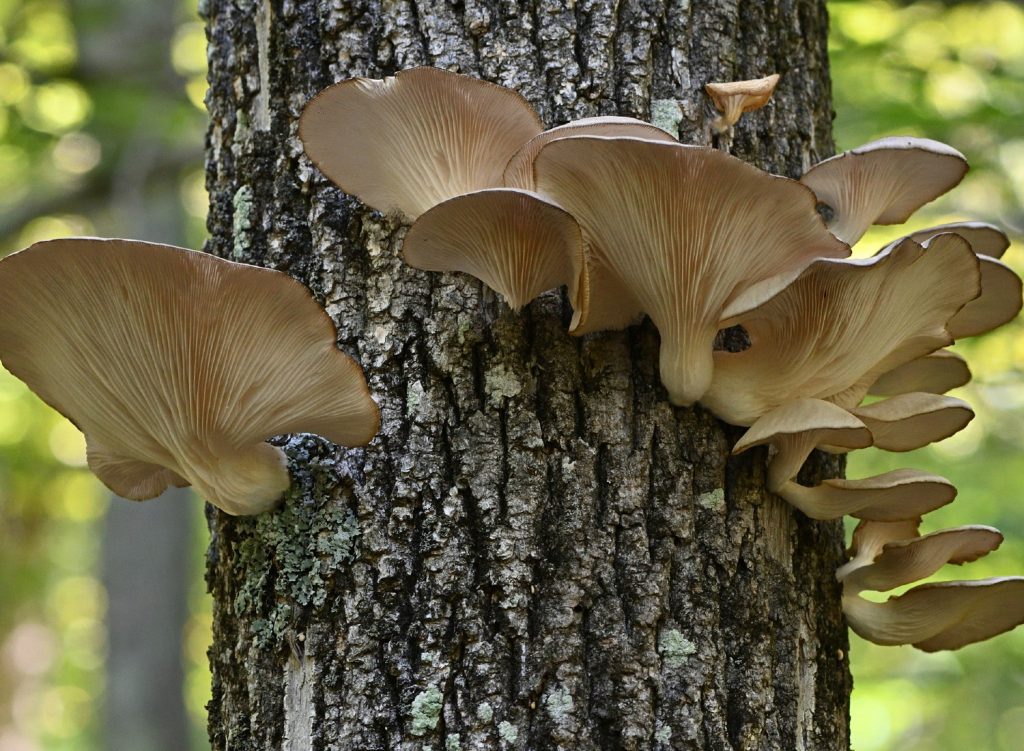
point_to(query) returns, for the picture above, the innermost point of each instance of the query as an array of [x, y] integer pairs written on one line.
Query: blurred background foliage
[[101, 132]]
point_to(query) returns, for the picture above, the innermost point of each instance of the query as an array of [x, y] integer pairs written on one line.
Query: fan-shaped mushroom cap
[[795, 429], [893, 496], [519, 171], [415, 139], [870, 537], [515, 241], [934, 373], [734, 98], [904, 561], [841, 325], [883, 182], [910, 421], [688, 231], [178, 365], [985, 239], [942, 615], [998, 303]]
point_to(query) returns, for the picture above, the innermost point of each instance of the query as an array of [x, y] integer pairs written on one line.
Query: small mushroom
[[999, 302], [934, 373], [892, 496], [178, 365], [797, 428], [515, 241], [883, 182], [519, 171], [408, 142], [902, 561], [910, 421], [985, 239], [735, 98], [691, 234], [841, 325], [869, 538], [940, 615]]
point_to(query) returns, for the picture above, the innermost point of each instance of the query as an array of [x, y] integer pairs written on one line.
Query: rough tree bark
[[537, 552]]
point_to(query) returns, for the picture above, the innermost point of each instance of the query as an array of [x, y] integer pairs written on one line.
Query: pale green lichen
[[484, 712], [501, 383], [663, 734], [299, 547], [507, 732], [713, 500], [453, 743], [559, 704], [241, 221], [426, 710], [675, 648], [667, 114]]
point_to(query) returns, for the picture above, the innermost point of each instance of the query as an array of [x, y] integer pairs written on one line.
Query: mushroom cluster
[[632, 222], [178, 365]]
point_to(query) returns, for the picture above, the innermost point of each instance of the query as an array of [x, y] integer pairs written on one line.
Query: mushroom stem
[[244, 483]]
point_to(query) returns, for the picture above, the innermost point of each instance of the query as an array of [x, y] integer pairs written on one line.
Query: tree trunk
[[537, 552]]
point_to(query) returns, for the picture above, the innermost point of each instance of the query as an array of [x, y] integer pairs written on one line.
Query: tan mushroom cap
[[415, 139], [519, 171], [985, 239], [893, 496], [910, 421], [177, 365], [934, 373], [941, 615], [515, 241], [797, 428], [687, 231], [999, 302], [904, 561], [841, 325], [734, 98], [869, 538], [883, 182]]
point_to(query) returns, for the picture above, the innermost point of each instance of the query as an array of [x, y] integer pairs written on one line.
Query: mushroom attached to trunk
[[943, 615], [798, 427], [408, 142], [735, 98], [841, 325], [177, 365], [883, 182], [689, 235], [515, 241], [910, 421]]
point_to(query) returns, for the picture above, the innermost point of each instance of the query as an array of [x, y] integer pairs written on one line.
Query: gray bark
[[537, 552]]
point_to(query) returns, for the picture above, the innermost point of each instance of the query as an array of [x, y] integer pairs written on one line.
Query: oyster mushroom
[[177, 365], [671, 231]]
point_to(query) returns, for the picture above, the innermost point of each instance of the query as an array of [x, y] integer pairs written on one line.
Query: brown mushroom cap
[[910, 421], [515, 241], [519, 171], [841, 325], [941, 615], [999, 302], [985, 239], [177, 365], [734, 98], [797, 428], [408, 142], [883, 182], [893, 496], [934, 373], [687, 231], [904, 561]]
